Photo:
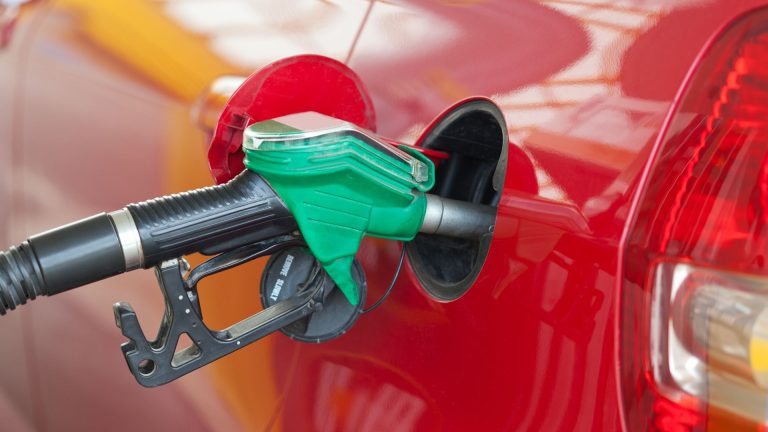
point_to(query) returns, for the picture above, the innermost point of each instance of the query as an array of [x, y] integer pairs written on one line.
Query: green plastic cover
[[341, 183]]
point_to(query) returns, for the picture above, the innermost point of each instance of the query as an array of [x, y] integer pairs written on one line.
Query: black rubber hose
[[20, 278], [58, 260]]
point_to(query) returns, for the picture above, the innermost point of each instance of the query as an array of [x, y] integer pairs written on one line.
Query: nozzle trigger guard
[[157, 362]]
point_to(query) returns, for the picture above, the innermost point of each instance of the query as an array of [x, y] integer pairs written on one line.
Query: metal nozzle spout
[[454, 218]]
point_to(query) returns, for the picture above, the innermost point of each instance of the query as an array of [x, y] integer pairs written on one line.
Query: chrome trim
[[129, 238], [433, 215]]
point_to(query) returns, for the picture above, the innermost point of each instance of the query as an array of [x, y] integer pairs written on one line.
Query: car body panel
[[99, 108]]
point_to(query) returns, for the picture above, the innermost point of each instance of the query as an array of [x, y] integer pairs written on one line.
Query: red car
[[624, 285]]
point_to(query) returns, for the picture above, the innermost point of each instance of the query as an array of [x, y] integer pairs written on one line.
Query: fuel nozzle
[[335, 182]]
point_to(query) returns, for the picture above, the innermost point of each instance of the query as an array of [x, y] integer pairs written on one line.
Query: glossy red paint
[[585, 87], [539, 319]]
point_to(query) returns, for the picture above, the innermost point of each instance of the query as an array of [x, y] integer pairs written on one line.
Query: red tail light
[[694, 305]]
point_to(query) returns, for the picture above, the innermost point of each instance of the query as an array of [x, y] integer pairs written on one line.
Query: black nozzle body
[[208, 220]]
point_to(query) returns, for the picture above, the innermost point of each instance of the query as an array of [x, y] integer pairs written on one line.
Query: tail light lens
[[694, 305]]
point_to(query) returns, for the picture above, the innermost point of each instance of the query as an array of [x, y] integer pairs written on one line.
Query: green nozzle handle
[[341, 184]]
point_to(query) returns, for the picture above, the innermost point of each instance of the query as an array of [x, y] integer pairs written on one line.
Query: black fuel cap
[[285, 273]]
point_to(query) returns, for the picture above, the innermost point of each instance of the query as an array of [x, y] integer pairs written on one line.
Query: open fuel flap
[[473, 132]]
